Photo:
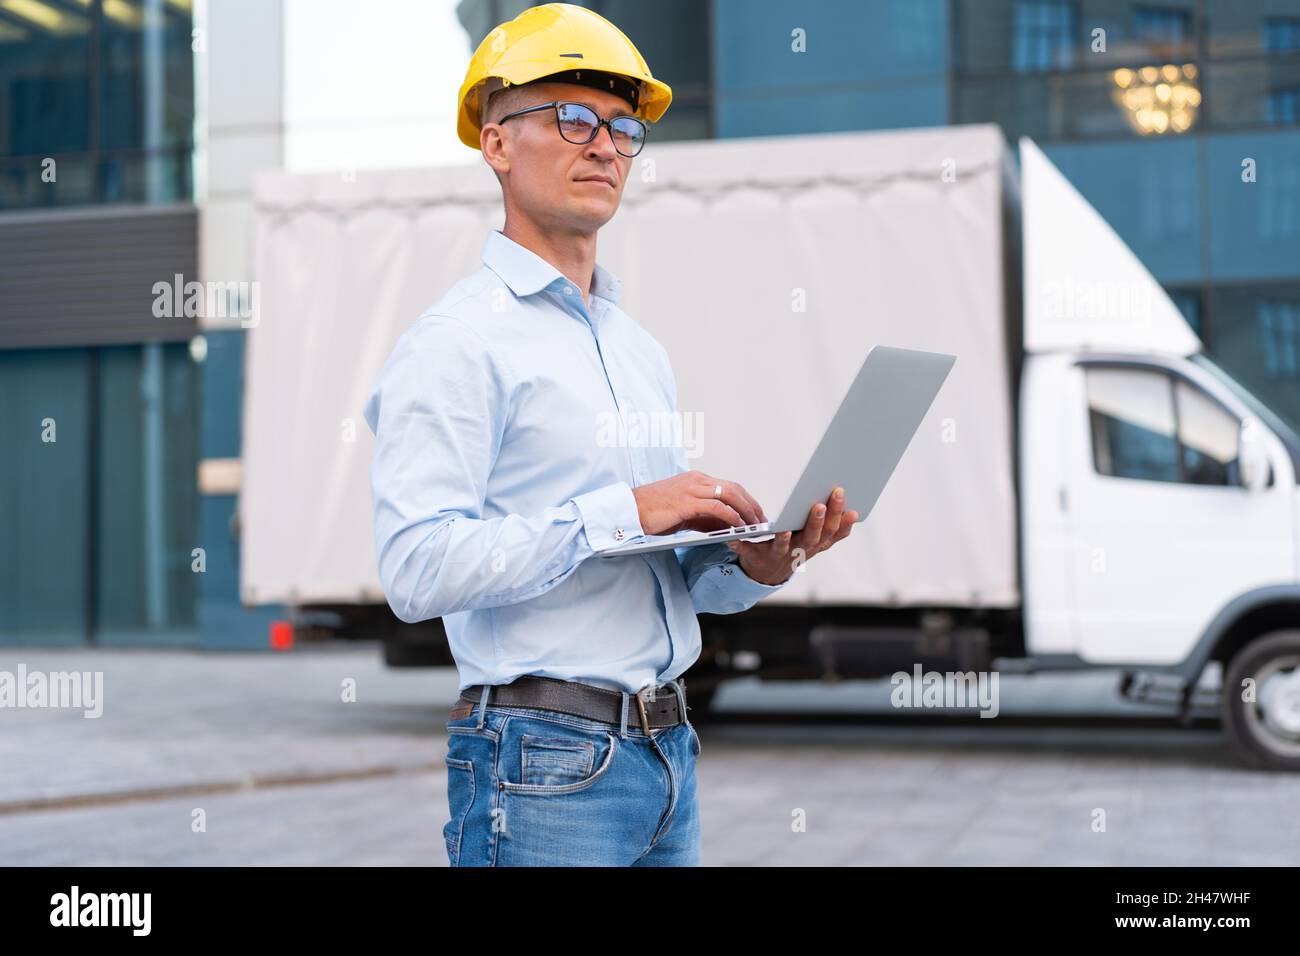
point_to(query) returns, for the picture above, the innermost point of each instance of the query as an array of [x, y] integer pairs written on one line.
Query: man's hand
[[772, 562], [687, 502]]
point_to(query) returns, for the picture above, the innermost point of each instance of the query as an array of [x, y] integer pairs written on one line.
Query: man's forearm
[[456, 563]]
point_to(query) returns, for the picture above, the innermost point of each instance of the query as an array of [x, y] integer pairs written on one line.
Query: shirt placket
[[638, 460]]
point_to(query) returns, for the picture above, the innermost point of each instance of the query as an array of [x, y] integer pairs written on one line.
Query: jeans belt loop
[[640, 704], [679, 688]]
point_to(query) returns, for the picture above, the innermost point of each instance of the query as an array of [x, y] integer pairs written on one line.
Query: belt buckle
[[644, 694]]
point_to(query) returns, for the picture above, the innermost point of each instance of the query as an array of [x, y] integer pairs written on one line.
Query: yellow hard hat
[[567, 43]]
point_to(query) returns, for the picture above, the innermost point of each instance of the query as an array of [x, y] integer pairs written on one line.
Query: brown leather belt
[[650, 710]]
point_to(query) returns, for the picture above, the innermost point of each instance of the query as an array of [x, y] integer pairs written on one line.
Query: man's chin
[[606, 205], [590, 216]]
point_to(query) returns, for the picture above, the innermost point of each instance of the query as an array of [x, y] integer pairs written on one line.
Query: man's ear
[[492, 145]]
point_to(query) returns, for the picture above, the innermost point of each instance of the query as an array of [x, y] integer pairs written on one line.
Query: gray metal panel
[[86, 276], [871, 430]]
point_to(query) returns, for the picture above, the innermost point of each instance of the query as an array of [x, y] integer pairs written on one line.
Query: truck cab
[[1159, 508]]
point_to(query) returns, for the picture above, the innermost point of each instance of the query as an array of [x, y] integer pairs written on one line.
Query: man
[[494, 491]]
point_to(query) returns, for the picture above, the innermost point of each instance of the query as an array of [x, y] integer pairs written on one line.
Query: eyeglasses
[[579, 124]]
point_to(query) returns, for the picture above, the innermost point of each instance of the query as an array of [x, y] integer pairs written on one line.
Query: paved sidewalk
[[285, 772], [185, 719]]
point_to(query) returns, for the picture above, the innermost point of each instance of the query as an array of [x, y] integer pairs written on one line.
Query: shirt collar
[[525, 272]]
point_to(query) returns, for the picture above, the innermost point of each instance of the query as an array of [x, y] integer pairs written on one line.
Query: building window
[[1278, 322], [1281, 34], [1045, 33], [1279, 218], [96, 103], [1161, 26], [1282, 106]]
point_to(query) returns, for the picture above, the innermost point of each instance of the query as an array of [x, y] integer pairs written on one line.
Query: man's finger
[[834, 512], [738, 502], [758, 509], [739, 499], [829, 538], [812, 530], [734, 494], [714, 508]]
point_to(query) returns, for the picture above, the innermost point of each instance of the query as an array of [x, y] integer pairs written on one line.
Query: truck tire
[[1263, 727]]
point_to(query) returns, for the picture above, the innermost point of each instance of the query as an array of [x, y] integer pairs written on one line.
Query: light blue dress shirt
[[494, 491]]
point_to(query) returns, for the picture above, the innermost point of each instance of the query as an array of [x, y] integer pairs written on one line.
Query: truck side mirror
[[1252, 459]]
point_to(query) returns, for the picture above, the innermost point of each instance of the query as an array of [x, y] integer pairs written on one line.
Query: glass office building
[[99, 396], [1161, 113]]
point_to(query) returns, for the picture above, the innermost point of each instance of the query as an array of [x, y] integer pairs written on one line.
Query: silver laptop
[[859, 451]]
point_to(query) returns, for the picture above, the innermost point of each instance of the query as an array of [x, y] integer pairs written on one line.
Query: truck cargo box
[[767, 267]]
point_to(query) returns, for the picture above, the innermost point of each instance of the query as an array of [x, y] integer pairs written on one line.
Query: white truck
[[1087, 491]]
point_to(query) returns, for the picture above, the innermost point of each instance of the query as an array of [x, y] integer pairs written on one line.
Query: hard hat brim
[[655, 99]]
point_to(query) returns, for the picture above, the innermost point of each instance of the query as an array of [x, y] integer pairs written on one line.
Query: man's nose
[[602, 147]]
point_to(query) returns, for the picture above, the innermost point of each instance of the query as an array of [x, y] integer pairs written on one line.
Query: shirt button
[[726, 570], [568, 290]]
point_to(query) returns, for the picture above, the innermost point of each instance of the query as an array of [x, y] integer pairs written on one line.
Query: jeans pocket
[[460, 797], [554, 764], [555, 761]]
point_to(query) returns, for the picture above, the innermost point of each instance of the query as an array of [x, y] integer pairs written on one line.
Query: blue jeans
[[531, 787]]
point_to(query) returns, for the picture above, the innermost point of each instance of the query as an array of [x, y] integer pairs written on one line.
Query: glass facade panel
[[1045, 35], [788, 114], [1046, 106], [148, 498], [1253, 93], [99, 523], [844, 43], [106, 91], [772, 80], [1254, 225], [1235, 29], [1164, 28], [45, 506]]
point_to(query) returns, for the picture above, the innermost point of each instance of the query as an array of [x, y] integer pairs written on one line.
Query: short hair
[[496, 100]]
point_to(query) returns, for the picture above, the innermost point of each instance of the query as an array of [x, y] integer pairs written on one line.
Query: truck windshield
[[1285, 430]]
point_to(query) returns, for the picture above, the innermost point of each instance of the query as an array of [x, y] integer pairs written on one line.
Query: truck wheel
[[1261, 701]]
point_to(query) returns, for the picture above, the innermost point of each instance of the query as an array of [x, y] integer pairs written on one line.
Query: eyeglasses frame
[[600, 121]]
